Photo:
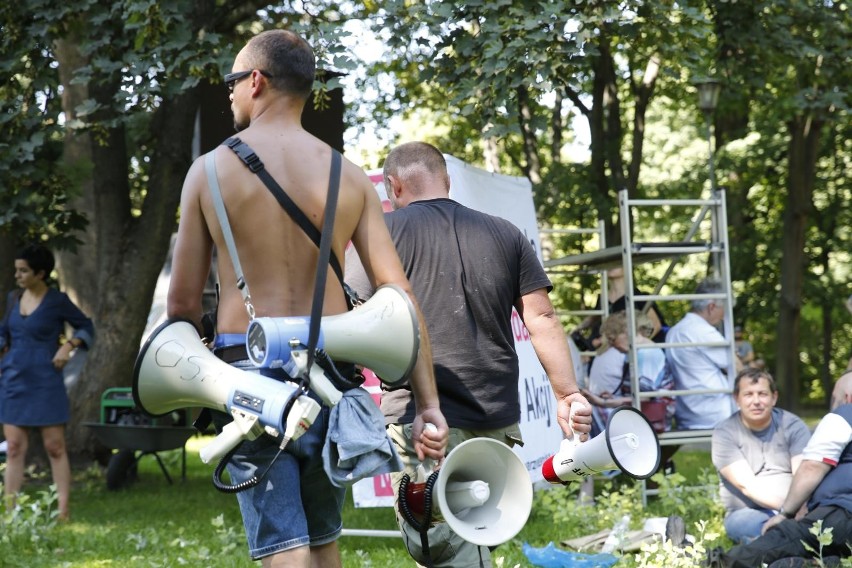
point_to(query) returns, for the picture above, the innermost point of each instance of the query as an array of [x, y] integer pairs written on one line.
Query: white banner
[[510, 198]]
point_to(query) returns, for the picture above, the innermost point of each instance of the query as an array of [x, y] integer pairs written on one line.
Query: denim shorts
[[294, 504]]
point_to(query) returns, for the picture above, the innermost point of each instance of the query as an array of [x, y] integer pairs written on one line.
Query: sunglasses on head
[[231, 78]]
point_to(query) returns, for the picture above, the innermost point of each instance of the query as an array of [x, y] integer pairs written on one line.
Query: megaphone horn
[[382, 334], [483, 491], [629, 444], [175, 370]]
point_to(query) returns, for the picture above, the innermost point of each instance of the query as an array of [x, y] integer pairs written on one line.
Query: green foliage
[[656, 554], [35, 188], [682, 497], [692, 495], [134, 56], [823, 537], [154, 524], [29, 525], [463, 67]]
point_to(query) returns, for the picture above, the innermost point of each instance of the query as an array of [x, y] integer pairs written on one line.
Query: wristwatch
[[785, 514]]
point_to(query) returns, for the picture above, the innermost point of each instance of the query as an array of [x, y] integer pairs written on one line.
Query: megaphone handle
[[427, 466], [230, 436], [574, 438]]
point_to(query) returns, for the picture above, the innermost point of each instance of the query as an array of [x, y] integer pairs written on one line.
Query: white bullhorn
[[483, 490], [629, 444], [175, 370], [381, 334]]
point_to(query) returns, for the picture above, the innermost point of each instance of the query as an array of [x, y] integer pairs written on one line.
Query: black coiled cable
[[422, 528], [254, 480]]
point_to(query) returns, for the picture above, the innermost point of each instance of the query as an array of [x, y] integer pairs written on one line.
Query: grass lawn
[[190, 523]]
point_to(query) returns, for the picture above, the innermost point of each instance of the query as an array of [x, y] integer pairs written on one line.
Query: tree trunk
[[644, 92], [802, 157], [130, 263], [614, 133], [525, 118], [78, 270], [557, 128], [8, 250], [602, 87], [734, 24], [491, 154], [128, 251], [826, 378]]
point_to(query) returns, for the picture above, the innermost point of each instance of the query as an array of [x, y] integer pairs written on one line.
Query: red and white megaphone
[[629, 444]]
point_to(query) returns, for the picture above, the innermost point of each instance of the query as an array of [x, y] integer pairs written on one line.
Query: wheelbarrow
[[124, 428]]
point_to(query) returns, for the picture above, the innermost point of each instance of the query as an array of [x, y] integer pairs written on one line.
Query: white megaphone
[[483, 490], [382, 334], [175, 370], [629, 444]]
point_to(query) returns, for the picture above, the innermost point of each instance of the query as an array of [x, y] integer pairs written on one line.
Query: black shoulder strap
[[324, 255], [255, 165]]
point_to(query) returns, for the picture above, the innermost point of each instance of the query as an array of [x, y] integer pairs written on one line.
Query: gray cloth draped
[[357, 445]]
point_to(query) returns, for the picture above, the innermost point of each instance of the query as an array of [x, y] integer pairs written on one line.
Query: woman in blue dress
[[32, 388]]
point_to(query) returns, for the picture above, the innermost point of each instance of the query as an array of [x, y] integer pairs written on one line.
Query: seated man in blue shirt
[[756, 451]]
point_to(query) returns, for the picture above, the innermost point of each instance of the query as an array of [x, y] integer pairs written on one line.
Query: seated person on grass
[[821, 491], [756, 451]]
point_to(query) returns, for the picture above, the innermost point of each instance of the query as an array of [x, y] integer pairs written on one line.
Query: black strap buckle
[[253, 162], [245, 153]]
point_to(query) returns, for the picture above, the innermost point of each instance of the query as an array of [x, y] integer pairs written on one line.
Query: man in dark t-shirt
[[468, 270]]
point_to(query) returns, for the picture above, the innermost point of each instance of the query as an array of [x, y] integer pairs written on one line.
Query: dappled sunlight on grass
[[151, 523]]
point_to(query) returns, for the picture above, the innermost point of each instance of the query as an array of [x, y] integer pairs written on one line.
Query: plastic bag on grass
[[552, 557]]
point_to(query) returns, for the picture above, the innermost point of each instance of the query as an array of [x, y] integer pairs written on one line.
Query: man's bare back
[[268, 241]]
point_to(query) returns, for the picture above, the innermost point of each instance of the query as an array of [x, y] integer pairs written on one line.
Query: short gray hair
[[707, 286], [416, 162]]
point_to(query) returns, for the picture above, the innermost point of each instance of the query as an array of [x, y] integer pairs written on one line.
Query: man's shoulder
[[786, 416], [459, 210], [730, 424], [483, 217], [677, 330], [844, 410]]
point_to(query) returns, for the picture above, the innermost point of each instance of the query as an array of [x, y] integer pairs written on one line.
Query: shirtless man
[[297, 520]]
